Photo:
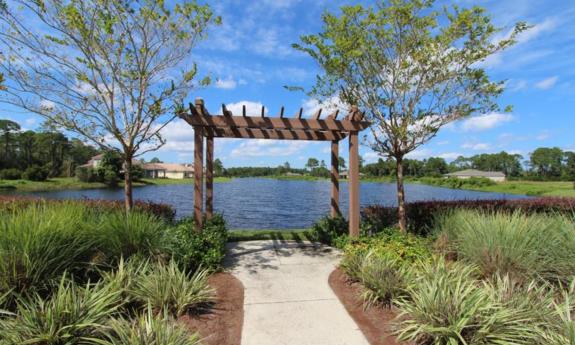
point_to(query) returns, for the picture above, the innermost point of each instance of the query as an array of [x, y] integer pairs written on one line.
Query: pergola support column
[[335, 179], [198, 169], [353, 184], [209, 177]]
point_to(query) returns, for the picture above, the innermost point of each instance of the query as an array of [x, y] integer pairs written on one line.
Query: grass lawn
[[61, 183], [535, 188], [298, 235]]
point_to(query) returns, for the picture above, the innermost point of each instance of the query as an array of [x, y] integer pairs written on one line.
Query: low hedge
[[421, 214], [162, 211]]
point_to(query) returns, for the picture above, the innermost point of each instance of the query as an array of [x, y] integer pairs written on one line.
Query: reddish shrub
[[421, 214], [162, 211]]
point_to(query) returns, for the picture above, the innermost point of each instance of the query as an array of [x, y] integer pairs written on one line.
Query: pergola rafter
[[260, 126]]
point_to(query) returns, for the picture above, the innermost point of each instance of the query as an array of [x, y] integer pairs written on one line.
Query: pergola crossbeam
[[261, 126]]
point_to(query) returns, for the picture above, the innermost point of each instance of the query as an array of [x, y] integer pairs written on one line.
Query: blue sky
[[250, 59]]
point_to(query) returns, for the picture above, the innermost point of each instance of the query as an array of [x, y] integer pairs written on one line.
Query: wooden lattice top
[[260, 126]]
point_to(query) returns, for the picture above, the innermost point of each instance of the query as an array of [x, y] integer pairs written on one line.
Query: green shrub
[[123, 235], [148, 329], [521, 246], [192, 249], [10, 174], [39, 243], [447, 305], [35, 173], [330, 229], [167, 288], [384, 279], [86, 174], [72, 315], [404, 247]]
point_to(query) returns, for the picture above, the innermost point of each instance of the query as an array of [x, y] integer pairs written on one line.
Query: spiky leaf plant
[[167, 288], [384, 279], [73, 315]]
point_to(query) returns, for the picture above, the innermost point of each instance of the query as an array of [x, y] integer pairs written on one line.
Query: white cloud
[[476, 146], [268, 148], [547, 25], [371, 156], [311, 106], [517, 85], [485, 122], [547, 83], [419, 154], [543, 135], [449, 155], [443, 142], [252, 108], [47, 105], [226, 84]]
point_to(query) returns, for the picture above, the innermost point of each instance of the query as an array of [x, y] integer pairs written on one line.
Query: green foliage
[[457, 183], [521, 246], [72, 315], [447, 305], [148, 329], [193, 249], [87, 174], [136, 233], [39, 243], [10, 174], [384, 279], [168, 289], [35, 173], [330, 230]]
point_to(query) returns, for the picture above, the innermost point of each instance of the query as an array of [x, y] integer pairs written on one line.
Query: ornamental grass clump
[[74, 314], [448, 305], [148, 329], [167, 288], [39, 243], [384, 279], [524, 247]]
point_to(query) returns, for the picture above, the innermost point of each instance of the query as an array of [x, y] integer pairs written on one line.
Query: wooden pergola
[[228, 125]]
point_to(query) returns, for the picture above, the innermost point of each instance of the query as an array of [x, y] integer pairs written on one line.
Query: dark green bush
[[35, 173], [86, 174], [330, 230], [10, 174], [193, 249]]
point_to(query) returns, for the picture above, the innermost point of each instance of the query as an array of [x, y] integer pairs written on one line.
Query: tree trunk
[[400, 196], [128, 201]]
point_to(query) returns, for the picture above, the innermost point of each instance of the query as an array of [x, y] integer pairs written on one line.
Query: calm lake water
[[260, 203]]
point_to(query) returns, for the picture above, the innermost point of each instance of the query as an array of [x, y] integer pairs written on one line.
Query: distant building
[[344, 174], [94, 162], [496, 176], [168, 170]]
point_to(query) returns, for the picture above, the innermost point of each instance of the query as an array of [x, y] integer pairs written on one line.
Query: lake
[[261, 203]]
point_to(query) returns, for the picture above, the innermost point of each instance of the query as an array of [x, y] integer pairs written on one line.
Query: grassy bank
[[535, 188], [63, 183], [278, 235]]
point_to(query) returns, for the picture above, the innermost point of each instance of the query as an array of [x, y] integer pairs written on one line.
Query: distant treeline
[[549, 164], [37, 155]]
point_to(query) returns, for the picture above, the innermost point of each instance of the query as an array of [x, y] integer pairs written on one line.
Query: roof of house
[[477, 173], [173, 167]]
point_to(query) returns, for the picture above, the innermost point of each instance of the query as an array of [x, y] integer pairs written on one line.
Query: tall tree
[[547, 162], [412, 68], [114, 72], [7, 130], [312, 163]]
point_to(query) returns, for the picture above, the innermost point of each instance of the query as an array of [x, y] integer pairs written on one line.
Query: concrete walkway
[[287, 297]]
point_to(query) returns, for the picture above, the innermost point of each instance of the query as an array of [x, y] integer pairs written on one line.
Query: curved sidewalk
[[287, 297]]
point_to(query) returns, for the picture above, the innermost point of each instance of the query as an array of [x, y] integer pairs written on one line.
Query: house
[[168, 170], [94, 162], [345, 174], [496, 176]]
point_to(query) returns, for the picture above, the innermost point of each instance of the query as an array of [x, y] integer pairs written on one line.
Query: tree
[[341, 162], [113, 72], [435, 166], [413, 69], [7, 129], [218, 167], [156, 160], [312, 163], [569, 168], [547, 162]]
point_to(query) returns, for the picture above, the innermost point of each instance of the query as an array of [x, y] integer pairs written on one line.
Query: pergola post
[[353, 184], [335, 179], [209, 177], [198, 168]]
